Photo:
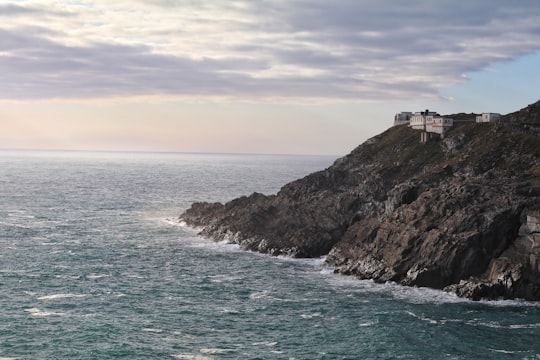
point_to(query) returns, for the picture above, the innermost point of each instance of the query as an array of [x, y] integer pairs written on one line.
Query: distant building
[[402, 118], [430, 123], [488, 117]]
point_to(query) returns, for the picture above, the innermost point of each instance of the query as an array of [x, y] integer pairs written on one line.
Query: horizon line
[[160, 152]]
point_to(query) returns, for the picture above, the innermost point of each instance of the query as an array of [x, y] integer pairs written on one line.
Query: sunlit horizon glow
[[306, 77]]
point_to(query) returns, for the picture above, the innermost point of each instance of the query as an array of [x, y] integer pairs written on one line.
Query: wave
[[221, 278], [473, 322], [414, 295], [214, 351], [367, 324], [315, 262], [43, 313], [525, 326], [505, 351], [265, 343], [97, 276], [152, 330], [60, 296], [496, 325], [174, 222], [192, 357], [510, 303], [259, 295], [311, 316]]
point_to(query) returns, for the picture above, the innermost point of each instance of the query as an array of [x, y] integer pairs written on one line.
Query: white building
[[402, 118], [421, 119], [430, 123], [488, 117]]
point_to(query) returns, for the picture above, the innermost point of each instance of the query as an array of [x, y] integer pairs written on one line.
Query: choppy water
[[93, 267]]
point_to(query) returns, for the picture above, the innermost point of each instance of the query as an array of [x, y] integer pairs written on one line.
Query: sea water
[[94, 265]]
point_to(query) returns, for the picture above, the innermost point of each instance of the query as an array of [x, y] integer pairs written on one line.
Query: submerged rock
[[461, 214]]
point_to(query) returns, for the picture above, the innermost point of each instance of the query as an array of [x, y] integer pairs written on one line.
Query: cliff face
[[461, 213]]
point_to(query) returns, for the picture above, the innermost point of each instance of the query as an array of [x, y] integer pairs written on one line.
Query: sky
[[254, 76]]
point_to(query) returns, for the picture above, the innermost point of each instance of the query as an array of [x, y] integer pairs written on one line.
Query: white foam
[[315, 262], [265, 343], [20, 214], [266, 295], [97, 276], [525, 326], [192, 357], [495, 325], [42, 313], [431, 321], [367, 324], [228, 311], [135, 276], [410, 294], [223, 278], [60, 296], [204, 243], [258, 295], [175, 222], [422, 295], [311, 316], [415, 295], [213, 351], [152, 330], [504, 351], [510, 303]]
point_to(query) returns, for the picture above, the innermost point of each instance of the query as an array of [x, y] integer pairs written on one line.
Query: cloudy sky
[[254, 76]]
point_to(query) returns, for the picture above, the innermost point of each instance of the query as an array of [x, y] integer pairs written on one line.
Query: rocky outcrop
[[512, 274], [460, 214]]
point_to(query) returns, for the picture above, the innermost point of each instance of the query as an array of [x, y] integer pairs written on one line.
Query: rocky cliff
[[460, 213]]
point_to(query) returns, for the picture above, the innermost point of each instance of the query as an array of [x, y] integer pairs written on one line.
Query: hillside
[[461, 213]]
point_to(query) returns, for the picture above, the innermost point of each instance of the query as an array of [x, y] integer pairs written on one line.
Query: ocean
[[94, 265]]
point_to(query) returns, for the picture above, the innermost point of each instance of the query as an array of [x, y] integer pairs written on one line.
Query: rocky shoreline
[[460, 214]]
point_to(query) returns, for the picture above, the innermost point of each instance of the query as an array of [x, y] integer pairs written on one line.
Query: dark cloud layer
[[346, 49]]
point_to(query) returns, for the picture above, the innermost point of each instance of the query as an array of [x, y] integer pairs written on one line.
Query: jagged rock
[[459, 214], [452, 144]]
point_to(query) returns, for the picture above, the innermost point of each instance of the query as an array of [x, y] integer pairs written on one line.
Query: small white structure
[[488, 117], [430, 123], [402, 118]]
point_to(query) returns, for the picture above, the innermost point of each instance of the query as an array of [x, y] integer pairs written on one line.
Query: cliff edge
[[460, 213]]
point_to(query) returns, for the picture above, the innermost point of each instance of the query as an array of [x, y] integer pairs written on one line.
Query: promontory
[[458, 211]]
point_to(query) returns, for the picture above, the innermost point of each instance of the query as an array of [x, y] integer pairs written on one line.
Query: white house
[[488, 117], [430, 123], [403, 117], [421, 119]]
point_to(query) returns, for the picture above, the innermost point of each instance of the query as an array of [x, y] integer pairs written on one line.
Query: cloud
[[12, 10], [298, 49]]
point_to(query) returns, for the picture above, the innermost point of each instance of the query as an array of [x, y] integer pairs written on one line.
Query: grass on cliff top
[[398, 154], [493, 145]]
